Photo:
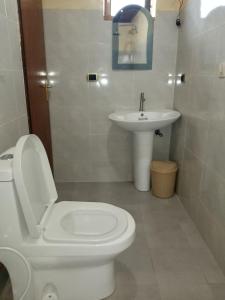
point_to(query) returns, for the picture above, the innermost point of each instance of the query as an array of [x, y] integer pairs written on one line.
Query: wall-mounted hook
[[159, 133]]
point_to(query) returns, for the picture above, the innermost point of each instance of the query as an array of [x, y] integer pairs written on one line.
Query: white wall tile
[[15, 49], [11, 9], [13, 114], [7, 97], [198, 141], [5, 58], [79, 42], [2, 8]]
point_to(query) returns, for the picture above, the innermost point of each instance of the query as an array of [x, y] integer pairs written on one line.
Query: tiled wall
[[87, 147], [13, 116], [89, 4], [198, 141]]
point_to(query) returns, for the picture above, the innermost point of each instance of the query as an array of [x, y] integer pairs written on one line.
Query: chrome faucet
[[142, 100]]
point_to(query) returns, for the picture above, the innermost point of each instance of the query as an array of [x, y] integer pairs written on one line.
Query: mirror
[[132, 39]]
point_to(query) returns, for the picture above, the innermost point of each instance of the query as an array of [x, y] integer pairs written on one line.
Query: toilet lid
[[34, 181], [84, 222]]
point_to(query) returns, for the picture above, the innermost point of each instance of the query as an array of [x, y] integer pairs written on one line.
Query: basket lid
[[163, 166]]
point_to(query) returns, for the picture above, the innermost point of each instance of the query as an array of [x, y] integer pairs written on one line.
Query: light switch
[[92, 77]]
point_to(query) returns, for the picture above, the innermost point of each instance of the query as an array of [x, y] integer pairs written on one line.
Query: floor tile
[[7, 292], [134, 292], [168, 260], [186, 292], [215, 276], [164, 235], [169, 278], [218, 291], [192, 234], [186, 259]]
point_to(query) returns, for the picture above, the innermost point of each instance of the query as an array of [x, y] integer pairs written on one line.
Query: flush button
[[6, 157]]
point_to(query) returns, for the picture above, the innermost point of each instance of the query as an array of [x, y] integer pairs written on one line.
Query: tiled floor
[[6, 294], [168, 260]]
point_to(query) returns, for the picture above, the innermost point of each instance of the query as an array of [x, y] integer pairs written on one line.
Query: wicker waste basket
[[163, 176]]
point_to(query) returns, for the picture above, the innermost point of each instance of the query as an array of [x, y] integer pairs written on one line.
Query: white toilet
[[63, 250]]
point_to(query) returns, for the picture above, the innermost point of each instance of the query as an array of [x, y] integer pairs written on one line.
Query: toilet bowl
[[63, 250]]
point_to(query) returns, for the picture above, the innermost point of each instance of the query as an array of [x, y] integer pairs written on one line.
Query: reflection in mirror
[[132, 38], [207, 6], [117, 5]]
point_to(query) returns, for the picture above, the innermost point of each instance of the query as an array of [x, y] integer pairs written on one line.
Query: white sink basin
[[144, 121], [143, 125]]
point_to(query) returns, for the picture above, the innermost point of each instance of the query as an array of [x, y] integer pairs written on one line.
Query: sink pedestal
[[143, 125], [143, 146]]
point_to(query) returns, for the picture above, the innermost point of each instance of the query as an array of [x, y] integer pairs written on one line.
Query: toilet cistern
[[142, 100]]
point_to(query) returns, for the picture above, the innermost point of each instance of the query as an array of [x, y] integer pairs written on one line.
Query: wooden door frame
[[29, 99], [25, 79]]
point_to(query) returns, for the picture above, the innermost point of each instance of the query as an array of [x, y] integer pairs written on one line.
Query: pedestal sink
[[143, 125]]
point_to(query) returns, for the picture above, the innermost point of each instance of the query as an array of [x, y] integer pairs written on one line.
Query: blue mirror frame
[[115, 39]]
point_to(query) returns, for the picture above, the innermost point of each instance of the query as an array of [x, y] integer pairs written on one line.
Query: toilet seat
[[84, 222], [64, 222]]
